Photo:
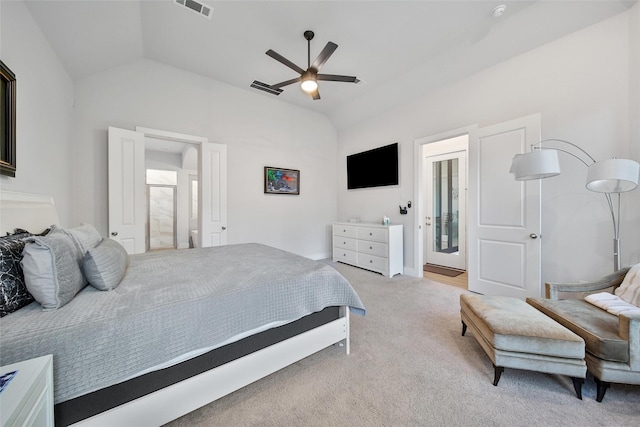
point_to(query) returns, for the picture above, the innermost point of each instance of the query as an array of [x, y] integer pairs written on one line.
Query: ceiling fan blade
[[275, 55], [315, 95], [285, 83], [324, 55], [337, 78]]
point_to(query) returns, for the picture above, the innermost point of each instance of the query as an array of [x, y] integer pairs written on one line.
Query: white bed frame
[[35, 213]]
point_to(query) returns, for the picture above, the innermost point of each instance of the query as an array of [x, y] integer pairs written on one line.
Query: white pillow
[[52, 269], [105, 264], [629, 289]]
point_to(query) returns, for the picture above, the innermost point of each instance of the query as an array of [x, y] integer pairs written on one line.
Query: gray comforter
[[168, 304]]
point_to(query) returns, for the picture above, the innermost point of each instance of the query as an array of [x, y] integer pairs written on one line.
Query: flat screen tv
[[373, 168]]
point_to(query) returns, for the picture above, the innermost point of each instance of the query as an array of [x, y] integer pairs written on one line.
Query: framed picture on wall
[[7, 121], [281, 181]]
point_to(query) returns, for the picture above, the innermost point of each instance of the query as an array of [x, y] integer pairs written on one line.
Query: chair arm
[[613, 279], [629, 329]]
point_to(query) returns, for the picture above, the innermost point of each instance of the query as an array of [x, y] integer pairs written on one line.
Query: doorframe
[[454, 151], [181, 137], [419, 189]]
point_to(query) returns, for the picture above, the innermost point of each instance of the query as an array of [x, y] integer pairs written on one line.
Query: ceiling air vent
[[265, 87], [196, 6]]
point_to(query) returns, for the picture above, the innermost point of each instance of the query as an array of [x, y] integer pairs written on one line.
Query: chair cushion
[[598, 328]]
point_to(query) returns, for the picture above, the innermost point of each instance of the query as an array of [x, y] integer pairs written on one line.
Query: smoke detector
[[498, 10], [196, 6]]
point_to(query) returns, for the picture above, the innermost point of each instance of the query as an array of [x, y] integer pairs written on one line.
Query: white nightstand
[[28, 398]]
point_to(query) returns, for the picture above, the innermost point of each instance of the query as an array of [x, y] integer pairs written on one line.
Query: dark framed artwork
[[7, 121], [281, 181]]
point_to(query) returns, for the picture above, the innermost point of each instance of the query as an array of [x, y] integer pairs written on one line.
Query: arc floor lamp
[[610, 176]]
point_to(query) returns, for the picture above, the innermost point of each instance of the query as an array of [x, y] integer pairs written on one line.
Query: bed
[[181, 329]]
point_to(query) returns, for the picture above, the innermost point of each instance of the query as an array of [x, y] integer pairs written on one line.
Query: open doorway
[[171, 174], [126, 169], [441, 183]]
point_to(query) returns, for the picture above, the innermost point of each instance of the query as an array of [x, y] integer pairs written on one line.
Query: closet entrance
[[202, 201]]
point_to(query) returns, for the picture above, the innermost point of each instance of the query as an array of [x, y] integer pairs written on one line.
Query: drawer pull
[[371, 261], [371, 247], [370, 234]]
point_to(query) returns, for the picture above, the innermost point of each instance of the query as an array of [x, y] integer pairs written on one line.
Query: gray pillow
[[52, 269], [105, 264], [85, 236]]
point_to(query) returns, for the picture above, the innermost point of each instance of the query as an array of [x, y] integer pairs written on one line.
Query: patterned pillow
[[13, 292]]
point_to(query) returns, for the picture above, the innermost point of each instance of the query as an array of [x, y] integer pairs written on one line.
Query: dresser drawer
[[345, 230], [373, 248], [340, 242], [372, 262], [375, 234], [345, 255]]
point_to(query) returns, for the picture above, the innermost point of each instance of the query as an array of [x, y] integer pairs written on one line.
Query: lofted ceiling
[[398, 49]]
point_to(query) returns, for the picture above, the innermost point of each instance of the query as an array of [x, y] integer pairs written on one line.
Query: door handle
[[533, 235], [114, 233]]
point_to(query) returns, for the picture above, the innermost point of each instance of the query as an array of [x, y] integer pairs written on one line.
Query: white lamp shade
[[536, 164], [613, 176]]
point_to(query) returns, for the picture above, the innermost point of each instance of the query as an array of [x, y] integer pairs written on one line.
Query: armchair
[[612, 342]]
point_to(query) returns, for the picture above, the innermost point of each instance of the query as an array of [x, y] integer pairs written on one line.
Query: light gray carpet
[[409, 365]]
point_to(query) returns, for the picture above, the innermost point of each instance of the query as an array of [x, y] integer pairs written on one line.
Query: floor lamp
[[610, 176]]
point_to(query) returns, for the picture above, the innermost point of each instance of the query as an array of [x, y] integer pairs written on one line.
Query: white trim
[[175, 136]]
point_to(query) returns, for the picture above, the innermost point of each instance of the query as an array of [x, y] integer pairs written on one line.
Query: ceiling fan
[[308, 78]]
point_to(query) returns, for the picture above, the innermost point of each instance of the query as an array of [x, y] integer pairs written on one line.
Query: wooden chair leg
[[497, 372], [577, 385], [602, 387]]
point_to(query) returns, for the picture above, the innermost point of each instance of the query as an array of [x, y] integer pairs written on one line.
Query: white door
[[504, 214], [212, 170], [445, 220], [127, 189]]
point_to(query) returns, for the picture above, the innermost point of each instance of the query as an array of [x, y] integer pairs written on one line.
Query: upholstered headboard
[[31, 212]]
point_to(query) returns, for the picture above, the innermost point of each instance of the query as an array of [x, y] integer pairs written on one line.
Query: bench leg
[[602, 387], [577, 385], [497, 372], [464, 328]]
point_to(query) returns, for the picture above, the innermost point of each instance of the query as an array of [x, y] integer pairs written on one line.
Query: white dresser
[[28, 399], [371, 246]]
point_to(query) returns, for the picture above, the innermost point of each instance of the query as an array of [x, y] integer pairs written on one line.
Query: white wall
[[44, 110], [258, 130], [581, 85]]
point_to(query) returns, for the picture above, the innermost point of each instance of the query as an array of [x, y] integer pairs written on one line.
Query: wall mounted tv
[[373, 168]]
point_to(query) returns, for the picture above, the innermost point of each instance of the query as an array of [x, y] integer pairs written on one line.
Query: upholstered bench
[[516, 335]]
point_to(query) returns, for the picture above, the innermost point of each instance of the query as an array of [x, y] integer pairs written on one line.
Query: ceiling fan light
[[309, 84]]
